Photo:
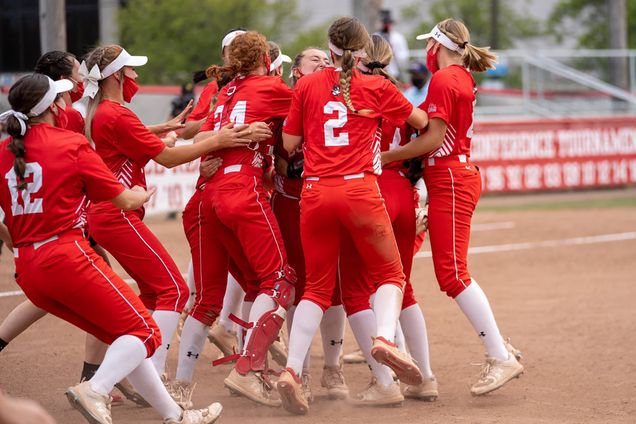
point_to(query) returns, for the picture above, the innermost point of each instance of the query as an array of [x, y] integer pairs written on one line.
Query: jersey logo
[[231, 90], [335, 90], [308, 186], [432, 108]]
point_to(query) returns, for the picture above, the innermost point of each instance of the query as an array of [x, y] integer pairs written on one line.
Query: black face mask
[[418, 82]]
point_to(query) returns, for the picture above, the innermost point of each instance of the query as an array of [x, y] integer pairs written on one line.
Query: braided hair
[[349, 35]]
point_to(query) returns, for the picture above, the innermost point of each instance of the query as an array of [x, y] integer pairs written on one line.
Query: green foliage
[[512, 25], [183, 36], [589, 20], [313, 37]]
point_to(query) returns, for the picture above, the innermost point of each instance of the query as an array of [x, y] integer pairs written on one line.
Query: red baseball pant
[[66, 278], [333, 205], [453, 192], [142, 255]]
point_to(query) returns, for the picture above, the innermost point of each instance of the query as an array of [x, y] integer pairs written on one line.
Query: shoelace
[[335, 377], [185, 392]]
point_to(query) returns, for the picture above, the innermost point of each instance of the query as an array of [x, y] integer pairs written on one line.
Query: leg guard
[[266, 328]]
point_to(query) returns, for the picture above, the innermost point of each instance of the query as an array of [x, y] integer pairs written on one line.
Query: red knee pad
[[284, 291], [264, 333]]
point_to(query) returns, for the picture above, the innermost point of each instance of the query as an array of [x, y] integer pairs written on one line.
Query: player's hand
[[170, 139], [149, 192], [22, 411], [258, 131], [177, 122], [208, 167], [233, 136]]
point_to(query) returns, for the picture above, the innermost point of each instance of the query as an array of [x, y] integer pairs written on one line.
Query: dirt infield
[[558, 270]]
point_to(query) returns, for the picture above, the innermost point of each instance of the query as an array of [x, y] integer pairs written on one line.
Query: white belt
[[232, 168], [345, 177], [460, 159], [37, 244]]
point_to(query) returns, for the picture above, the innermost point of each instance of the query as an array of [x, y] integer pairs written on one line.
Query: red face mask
[[61, 118], [79, 91], [130, 88], [431, 60]]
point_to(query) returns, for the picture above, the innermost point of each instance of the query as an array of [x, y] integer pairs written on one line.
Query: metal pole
[[108, 24], [494, 24], [525, 78], [617, 27], [52, 25], [368, 12]]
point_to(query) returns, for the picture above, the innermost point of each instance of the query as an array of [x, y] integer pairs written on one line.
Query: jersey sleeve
[[134, 140], [293, 125], [99, 183], [440, 98], [281, 99], [395, 107], [202, 108]]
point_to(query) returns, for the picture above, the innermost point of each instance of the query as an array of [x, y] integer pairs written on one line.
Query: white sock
[[146, 381], [124, 355], [245, 316], [167, 322], [414, 327], [474, 303], [363, 326], [399, 338], [232, 303], [332, 331], [190, 347], [386, 307], [191, 286], [306, 322], [263, 303]]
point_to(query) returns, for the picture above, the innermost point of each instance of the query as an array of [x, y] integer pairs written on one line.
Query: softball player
[[454, 186], [398, 195], [286, 206], [49, 172], [126, 145], [337, 113], [237, 212]]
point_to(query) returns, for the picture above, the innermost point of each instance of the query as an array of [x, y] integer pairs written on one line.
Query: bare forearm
[[191, 129], [419, 146]]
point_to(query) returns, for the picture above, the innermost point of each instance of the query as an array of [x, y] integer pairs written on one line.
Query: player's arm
[[5, 236], [418, 118], [191, 129], [254, 132], [291, 142], [174, 124], [134, 198], [432, 139]]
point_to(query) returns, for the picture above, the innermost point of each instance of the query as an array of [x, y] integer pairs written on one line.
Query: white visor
[[442, 38], [227, 40], [124, 59], [282, 58], [55, 87], [338, 51]]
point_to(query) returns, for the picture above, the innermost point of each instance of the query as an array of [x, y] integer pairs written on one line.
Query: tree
[[590, 19], [511, 25], [183, 36]]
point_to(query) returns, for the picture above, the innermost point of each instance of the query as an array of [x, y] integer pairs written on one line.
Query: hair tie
[[463, 45], [375, 65], [21, 117]]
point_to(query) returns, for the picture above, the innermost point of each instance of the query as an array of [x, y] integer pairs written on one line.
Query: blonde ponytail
[[477, 59]]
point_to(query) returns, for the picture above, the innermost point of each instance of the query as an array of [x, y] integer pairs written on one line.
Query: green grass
[[619, 202]]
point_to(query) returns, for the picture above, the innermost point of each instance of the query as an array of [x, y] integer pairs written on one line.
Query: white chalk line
[[504, 225], [576, 241]]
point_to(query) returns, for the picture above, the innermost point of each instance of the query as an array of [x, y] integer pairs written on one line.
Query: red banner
[[555, 154]]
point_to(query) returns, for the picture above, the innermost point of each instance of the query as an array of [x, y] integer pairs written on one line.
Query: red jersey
[[255, 98], [204, 105], [394, 136], [451, 97], [337, 141], [124, 143], [75, 120], [62, 171]]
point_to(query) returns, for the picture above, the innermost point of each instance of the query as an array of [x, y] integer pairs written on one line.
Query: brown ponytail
[[349, 35], [477, 59], [379, 56], [246, 53], [24, 94], [102, 57]]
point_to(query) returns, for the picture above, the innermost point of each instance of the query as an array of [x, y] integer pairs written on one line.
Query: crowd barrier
[[521, 156]]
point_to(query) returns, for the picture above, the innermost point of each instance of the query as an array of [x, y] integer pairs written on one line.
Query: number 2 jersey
[[255, 98], [337, 141], [62, 171]]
